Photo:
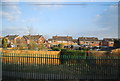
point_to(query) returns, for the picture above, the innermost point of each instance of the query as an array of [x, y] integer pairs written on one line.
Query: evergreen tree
[[4, 43], [117, 43], [61, 46]]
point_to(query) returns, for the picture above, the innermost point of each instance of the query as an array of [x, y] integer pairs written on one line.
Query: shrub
[[4, 43], [72, 56], [41, 47], [22, 46], [56, 49], [73, 52], [61, 45], [32, 45]]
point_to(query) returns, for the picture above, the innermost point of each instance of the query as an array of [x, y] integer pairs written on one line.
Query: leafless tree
[[29, 29]]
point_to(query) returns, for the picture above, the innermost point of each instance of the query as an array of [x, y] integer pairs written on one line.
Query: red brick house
[[39, 39], [13, 39], [66, 40], [108, 42], [92, 41], [75, 41]]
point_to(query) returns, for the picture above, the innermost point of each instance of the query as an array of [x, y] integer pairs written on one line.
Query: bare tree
[[46, 36], [29, 29]]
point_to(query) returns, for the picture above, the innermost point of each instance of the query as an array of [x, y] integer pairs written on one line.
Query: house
[[39, 39], [66, 40], [90, 41], [75, 41], [13, 39], [100, 42], [108, 42]]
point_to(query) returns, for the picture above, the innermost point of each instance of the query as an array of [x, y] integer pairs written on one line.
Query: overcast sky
[[95, 19]]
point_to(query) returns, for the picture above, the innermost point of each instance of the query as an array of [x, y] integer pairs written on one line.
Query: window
[[92, 42], [55, 45], [64, 41], [60, 41], [49, 41], [111, 43]]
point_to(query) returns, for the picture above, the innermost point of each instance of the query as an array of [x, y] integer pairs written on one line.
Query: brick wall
[[92, 43]]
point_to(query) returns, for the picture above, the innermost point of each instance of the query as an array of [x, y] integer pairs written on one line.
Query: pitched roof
[[110, 39], [75, 40], [11, 37], [62, 38], [50, 39], [32, 37], [100, 40], [88, 39]]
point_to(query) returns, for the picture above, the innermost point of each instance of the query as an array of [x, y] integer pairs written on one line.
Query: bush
[[32, 45], [73, 52], [22, 46], [41, 47], [61, 45], [72, 56], [56, 49]]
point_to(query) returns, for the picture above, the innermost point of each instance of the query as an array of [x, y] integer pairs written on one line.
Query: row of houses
[[56, 40], [89, 41]]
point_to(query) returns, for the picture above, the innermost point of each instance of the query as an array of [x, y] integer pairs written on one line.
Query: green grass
[[83, 67]]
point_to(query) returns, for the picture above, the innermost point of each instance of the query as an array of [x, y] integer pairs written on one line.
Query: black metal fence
[[68, 67]]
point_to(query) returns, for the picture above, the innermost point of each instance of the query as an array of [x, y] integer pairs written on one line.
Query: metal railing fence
[[59, 67]]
